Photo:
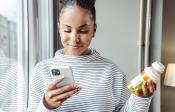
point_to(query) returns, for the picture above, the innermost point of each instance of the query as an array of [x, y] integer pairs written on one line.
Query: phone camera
[[55, 72]]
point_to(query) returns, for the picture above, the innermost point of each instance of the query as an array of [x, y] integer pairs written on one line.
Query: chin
[[76, 51]]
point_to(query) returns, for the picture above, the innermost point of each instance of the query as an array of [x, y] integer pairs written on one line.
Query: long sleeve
[[39, 80], [36, 88], [104, 87], [128, 103]]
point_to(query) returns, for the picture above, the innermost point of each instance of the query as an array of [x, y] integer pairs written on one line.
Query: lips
[[75, 46]]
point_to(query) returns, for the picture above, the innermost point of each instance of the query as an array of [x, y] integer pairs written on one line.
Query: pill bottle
[[153, 72]]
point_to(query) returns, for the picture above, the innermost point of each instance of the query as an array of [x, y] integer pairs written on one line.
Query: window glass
[[11, 71]]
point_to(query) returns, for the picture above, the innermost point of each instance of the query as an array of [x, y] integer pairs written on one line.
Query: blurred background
[[132, 33]]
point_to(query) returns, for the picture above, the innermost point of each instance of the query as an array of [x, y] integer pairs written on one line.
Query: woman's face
[[77, 28]]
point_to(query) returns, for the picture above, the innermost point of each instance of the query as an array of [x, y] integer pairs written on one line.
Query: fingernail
[[62, 76], [76, 86]]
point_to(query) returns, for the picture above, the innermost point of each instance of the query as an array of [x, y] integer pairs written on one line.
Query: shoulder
[[113, 66], [116, 72], [44, 65], [40, 74], [45, 62], [108, 62]]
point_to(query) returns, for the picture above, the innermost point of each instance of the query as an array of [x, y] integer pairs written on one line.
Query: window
[[12, 86], [26, 37]]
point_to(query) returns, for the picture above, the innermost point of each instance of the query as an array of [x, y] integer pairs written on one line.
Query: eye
[[67, 31], [84, 31]]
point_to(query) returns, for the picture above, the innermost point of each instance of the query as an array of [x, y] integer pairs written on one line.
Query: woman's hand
[[54, 97], [148, 89]]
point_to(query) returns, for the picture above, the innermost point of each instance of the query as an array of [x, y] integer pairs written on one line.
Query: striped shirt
[[104, 87]]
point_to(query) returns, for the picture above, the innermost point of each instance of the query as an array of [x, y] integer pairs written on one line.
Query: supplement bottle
[[152, 73]]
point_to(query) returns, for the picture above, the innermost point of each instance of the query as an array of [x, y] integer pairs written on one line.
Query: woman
[[101, 85]]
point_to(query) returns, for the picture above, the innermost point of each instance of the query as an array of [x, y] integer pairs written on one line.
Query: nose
[[75, 37]]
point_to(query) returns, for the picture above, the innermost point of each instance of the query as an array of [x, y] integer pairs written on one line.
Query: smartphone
[[66, 71]]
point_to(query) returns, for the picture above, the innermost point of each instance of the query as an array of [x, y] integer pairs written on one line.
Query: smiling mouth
[[75, 46]]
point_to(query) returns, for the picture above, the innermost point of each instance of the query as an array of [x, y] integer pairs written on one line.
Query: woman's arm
[[44, 96], [128, 103], [36, 90]]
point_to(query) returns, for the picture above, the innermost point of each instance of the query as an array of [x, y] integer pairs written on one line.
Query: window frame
[[40, 30], [34, 36], [22, 42]]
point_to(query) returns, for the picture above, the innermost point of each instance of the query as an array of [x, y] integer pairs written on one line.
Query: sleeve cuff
[[141, 99], [140, 103]]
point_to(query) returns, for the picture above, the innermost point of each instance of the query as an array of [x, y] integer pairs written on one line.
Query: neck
[[87, 52]]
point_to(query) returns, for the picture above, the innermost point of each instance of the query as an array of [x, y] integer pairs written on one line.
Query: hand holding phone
[[54, 97]]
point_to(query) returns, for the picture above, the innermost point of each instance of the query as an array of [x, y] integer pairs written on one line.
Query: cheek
[[86, 40], [64, 38]]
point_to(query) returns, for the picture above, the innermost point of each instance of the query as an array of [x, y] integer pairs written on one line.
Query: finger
[[138, 92], [58, 103], [63, 100], [53, 84], [55, 103], [151, 86], [66, 95], [155, 85], [63, 89], [145, 88]]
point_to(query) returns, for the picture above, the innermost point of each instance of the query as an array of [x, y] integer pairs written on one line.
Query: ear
[[95, 28]]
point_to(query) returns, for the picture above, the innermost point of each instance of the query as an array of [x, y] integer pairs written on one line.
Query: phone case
[[66, 71]]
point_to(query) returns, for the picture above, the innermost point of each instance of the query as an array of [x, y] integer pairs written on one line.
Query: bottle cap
[[158, 66], [151, 73]]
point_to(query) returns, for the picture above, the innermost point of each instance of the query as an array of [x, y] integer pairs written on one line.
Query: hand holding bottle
[[148, 88], [145, 83]]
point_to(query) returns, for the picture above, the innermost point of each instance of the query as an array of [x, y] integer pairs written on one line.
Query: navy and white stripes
[[104, 87]]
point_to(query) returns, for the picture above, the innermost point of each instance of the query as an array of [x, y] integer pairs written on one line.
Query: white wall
[[118, 32]]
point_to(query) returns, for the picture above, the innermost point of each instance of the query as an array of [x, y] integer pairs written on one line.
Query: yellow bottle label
[[145, 77], [137, 80]]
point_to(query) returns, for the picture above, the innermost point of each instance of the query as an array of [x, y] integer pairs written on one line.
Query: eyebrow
[[84, 25]]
